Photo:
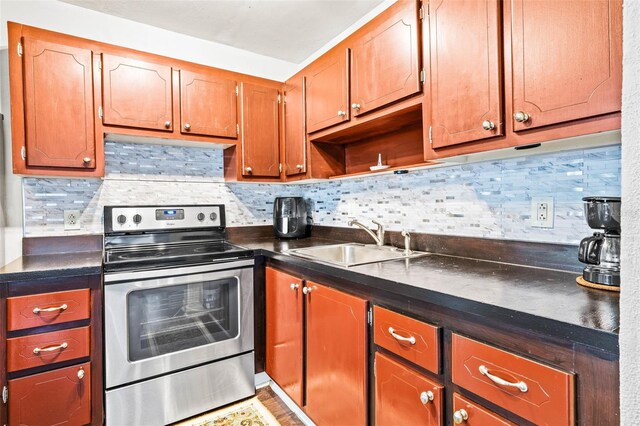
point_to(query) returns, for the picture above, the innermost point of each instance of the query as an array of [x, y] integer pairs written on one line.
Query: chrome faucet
[[378, 236], [407, 242]]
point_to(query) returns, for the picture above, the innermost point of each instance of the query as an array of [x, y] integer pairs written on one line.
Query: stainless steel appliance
[[178, 314], [291, 217], [601, 252]]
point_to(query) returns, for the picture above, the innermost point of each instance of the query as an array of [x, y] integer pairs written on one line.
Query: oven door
[[160, 321]]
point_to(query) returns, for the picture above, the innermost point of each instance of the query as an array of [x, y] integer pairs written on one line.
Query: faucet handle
[[380, 226], [405, 233]]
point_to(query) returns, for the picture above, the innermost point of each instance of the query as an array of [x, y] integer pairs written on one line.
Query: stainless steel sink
[[352, 254]]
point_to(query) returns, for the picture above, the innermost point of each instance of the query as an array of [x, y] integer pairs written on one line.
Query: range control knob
[[200, 217], [121, 219], [213, 216], [137, 219]]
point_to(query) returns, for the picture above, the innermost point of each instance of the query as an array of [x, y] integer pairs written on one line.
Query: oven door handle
[[115, 277]]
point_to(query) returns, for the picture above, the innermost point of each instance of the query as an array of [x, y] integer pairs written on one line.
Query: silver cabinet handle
[[521, 117], [355, 106], [460, 416], [187, 126], [521, 386], [306, 290], [341, 113], [248, 169], [52, 309], [81, 374], [62, 345], [426, 397], [299, 166], [86, 160], [294, 286], [488, 125], [167, 124], [400, 338]]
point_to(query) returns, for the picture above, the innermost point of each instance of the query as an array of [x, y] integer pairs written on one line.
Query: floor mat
[[246, 413]]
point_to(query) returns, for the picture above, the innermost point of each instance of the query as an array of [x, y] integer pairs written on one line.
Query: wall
[[488, 199], [630, 297]]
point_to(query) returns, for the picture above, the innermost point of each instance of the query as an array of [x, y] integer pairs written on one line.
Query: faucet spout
[[379, 239]]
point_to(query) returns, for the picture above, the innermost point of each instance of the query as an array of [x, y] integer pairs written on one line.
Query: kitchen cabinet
[[295, 135], [208, 104], [567, 60], [136, 93], [52, 105], [466, 71], [260, 130], [472, 414], [284, 300]]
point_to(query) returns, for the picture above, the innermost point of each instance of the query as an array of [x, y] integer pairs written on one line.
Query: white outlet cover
[[71, 220], [535, 221]]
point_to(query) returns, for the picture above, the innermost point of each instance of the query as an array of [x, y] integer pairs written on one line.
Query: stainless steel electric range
[[178, 314]]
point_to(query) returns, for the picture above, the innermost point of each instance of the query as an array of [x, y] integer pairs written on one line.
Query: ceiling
[[290, 30]]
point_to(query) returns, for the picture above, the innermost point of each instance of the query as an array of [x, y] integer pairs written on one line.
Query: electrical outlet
[[71, 220], [542, 211]]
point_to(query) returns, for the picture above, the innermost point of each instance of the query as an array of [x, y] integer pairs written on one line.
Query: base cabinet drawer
[[47, 308], [47, 348], [404, 396], [536, 392], [56, 397], [468, 413]]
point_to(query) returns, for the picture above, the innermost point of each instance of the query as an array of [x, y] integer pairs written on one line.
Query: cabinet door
[[136, 94], [386, 61], [208, 105], [336, 357], [58, 102], [405, 397], [260, 131], [327, 90], [567, 60], [295, 135], [284, 332], [56, 397], [466, 97]]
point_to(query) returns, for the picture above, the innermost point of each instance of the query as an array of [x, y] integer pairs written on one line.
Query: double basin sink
[[352, 254]]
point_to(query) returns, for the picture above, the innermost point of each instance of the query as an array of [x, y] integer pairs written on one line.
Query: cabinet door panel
[[284, 332], [327, 90], [336, 357], [567, 59], [465, 71], [398, 395], [58, 103], [208, 105], [260, 131], [52, 398], [136, 94], [295, 135], [386, 65]]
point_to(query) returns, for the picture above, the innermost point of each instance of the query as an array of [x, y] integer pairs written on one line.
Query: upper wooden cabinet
[[327, 90], [260, 130], [465, 65], [136, 93], [567, 60], [385, 59], [208, 105], [295, 135]]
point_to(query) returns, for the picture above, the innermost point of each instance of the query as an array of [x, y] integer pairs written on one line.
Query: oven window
[[175, 318]]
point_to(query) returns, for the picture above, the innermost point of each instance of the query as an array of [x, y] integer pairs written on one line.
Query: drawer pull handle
[[400, 338], [50, 348], [521, 386], [81, 373], [294, 286], [426, 397], [52, 309], [460, 416]]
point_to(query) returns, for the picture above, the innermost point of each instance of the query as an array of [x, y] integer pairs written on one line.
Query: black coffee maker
[[601, 251], [291, 217]]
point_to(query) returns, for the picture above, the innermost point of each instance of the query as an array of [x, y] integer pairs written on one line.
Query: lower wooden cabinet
[[404, 396], [61, 396], [468, 413]]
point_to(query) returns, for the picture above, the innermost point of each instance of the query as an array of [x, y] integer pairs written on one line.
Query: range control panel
[[149, 218]]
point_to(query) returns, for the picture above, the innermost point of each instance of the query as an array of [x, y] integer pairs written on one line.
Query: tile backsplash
[[488, 199]]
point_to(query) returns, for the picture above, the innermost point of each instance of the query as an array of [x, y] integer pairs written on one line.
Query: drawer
[[47, 348], [47, 308], [536, 392], [471, 414], [57, 397], [404, 396], [411, 339]]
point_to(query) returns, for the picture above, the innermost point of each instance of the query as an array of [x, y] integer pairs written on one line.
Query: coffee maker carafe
[[601, 252]]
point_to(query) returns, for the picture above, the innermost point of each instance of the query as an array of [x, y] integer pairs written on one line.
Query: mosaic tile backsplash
[[489, 199]]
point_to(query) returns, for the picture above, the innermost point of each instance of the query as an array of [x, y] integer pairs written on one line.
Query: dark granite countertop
[[52, 265], [542, 300]]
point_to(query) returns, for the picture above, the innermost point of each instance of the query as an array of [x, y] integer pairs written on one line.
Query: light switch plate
[[542, 212], [71, 220]]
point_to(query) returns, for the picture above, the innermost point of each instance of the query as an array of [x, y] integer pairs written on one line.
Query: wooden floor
[[274, 404]]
